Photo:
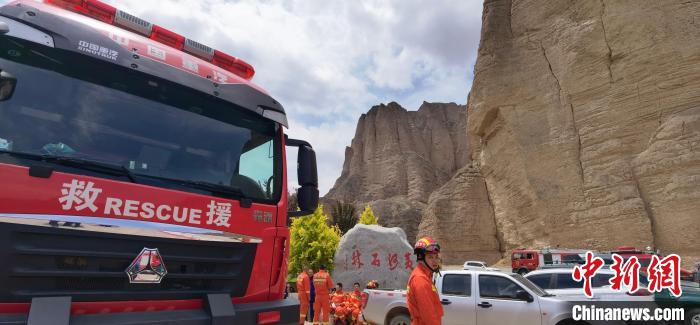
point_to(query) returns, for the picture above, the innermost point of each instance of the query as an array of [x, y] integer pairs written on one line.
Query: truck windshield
[[174, 134]]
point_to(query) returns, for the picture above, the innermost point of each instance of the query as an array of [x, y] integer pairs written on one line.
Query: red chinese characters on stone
[[408, 262], [393, 260], [356, 259], [626, 273], [665, 274], [375, 259], [587, 271]]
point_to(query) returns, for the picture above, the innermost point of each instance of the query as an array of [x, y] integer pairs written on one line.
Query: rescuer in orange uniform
[[338, 300], [322, 305], [421, 295], [355, 302], [304, 293]]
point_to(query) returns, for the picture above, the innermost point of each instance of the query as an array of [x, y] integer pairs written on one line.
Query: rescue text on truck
[[143, 175]]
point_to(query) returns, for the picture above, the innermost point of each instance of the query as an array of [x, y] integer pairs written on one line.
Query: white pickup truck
[[477, 297]]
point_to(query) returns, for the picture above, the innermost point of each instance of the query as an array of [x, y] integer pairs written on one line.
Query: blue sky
[[329, 61]]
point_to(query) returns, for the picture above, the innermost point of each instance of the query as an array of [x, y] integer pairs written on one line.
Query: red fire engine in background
[[526, 260], [644, 257], [143, 175]]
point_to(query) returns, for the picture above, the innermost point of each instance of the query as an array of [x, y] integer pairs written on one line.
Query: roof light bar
[[72, 5], [91, 8], [132, 23], [233, 64], [167, 37], [199, 50], [108, 14], [99, 10]]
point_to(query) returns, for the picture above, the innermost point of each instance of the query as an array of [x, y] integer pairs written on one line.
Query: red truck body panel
[[23, 195]]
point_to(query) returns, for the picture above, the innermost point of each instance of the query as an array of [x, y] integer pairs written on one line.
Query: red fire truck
[[142, 175], [644, 257], [526, 260]]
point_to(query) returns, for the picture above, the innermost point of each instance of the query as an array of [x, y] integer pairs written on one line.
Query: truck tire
[[400, 319], [522, 271], [692, 317], [572, 322]]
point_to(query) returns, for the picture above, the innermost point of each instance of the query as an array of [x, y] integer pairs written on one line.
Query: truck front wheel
[[400, 319], [522, 271]]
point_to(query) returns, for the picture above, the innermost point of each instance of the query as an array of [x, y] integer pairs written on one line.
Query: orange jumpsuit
[[322, 305], [304, 290], [338, 300], [422, 297], [355, 300]]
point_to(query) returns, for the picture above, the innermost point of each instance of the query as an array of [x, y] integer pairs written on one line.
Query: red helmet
[[426, 245], [373, 284]]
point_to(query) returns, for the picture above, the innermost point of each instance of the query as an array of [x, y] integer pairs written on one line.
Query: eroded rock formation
[[583, 117], [583, 132], [460, 216], [398, 158]]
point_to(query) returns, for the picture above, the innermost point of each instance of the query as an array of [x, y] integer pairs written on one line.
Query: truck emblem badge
[[147, 267]]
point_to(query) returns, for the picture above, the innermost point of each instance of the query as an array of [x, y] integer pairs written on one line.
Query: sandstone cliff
[[583, 131], [398, 158], [460, 216], [584, 118]]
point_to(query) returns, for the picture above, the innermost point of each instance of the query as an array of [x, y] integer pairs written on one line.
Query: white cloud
[[328, 62], [329, 141]]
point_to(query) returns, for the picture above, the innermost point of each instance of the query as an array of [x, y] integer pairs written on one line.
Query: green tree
[[343, 215], [292, 202], [313, 243], [367, 217]]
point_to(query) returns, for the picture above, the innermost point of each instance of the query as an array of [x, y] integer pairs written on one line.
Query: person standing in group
[[310, 316], [304, 293], [323, 284], [421, 295]]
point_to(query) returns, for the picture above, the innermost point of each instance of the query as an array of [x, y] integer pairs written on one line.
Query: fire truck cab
[[526, 260], [143, 174]]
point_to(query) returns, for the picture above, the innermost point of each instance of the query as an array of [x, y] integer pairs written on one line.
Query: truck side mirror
[[307, 198], [306, 167], [307, 175], [523, 295]]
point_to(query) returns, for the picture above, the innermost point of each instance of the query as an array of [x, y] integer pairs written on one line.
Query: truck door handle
[[485, 305], [445, 302]]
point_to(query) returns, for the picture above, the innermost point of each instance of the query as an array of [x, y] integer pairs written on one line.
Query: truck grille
[[37, 261]]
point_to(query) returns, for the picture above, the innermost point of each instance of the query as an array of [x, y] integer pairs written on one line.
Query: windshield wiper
[[210, 187], [87, 164], [215, 188]]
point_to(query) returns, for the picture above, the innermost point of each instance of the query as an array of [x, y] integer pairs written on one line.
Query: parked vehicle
[[477, 297], [526, 260], [644, 257], [478, 265], [143, 175], [559, 281], [689, 300]]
